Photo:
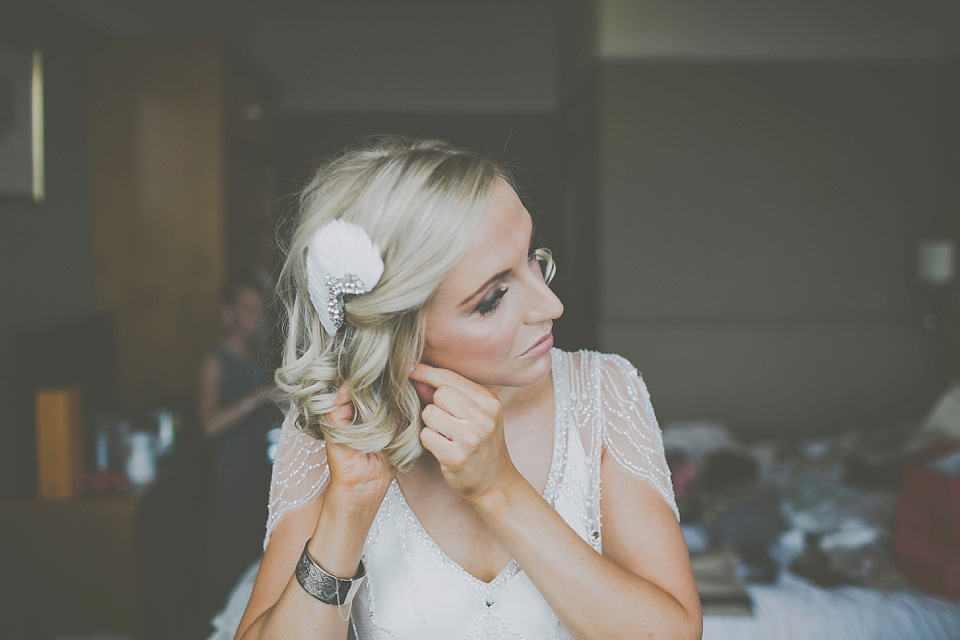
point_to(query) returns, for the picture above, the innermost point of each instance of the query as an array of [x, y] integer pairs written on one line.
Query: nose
[[544, 303]]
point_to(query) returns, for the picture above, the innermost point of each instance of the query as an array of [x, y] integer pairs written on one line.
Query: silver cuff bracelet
[[326, 587]]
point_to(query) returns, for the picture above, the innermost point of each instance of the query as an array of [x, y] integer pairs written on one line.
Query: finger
[[453, 401], [342, 416], [440, 421], [343, 412], [423, 390], [343, 393], [437, 377], [434, 442]]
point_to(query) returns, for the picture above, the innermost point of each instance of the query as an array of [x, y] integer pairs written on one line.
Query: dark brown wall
[[757, 237]]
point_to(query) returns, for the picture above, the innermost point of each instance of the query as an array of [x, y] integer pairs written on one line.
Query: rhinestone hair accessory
[[341, 260]]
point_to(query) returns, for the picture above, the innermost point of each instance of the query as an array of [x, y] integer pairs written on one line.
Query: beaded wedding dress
[[413, 590]]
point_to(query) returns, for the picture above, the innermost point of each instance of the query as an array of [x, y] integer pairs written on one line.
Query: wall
[[748, 92], [757, 230], [374, 55], [412, 57], [767, 31], [45, 255]]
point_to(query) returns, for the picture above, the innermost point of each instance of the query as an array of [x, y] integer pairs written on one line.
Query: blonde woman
[[441, 465]]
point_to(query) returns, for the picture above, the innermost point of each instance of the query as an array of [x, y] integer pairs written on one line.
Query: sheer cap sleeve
[[629, 428], [300, 471]]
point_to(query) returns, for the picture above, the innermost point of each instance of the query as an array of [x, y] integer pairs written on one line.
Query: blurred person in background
[[237, 409]]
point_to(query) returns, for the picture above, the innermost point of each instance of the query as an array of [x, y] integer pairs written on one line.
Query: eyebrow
[[498, 276], [502, 274]]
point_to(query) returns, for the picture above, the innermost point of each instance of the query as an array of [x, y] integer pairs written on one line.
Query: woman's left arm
[[642, 585]]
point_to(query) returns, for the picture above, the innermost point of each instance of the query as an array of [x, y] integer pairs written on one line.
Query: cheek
[[472, 346]]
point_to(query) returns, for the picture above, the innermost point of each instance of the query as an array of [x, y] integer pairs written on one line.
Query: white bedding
[[791, 609], [795, 609]]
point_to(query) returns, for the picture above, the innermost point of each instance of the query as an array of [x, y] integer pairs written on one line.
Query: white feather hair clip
[[341, 260]]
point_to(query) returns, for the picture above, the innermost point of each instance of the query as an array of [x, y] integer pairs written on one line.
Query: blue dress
[[239, 480]]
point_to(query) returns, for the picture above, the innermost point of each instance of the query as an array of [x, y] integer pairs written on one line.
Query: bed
[[796, 609], [751, 539], [821, 512]]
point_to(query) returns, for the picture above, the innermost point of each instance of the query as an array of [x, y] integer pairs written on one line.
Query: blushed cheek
[[478, 355]]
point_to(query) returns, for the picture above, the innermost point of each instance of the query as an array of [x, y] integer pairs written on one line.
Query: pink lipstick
[[542, 346]]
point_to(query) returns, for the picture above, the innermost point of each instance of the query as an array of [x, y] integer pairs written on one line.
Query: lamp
[[936, 268]]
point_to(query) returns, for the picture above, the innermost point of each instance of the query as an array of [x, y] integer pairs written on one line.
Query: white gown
[[413, 590]]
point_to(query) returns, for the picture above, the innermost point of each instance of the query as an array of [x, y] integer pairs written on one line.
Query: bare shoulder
[[280, 559], [209, 363]]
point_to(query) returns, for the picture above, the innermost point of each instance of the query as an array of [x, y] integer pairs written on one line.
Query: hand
[[463, 429], [361, 477]]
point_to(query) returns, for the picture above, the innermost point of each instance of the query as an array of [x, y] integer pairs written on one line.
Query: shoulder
[[299, 459], [590, 355], [300, 471], [596, 364], [214, 355], [290, 430], [209, 365], [607, 386]]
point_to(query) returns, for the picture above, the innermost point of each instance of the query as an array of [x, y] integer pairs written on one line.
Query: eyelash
[[490, 304]]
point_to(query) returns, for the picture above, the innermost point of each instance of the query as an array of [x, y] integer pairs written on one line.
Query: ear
[[425, 391]]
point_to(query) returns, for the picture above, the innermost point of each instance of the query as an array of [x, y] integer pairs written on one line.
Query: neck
[[239, 342], [511, 398], [516, 400]]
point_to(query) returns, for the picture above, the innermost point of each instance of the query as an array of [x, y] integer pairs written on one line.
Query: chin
[[540, 367], [525, 372]]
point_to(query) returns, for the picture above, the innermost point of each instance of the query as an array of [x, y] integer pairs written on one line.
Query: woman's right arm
[[337, 525], [336, 522]]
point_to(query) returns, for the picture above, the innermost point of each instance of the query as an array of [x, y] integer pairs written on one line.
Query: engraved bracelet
[[326, 587]]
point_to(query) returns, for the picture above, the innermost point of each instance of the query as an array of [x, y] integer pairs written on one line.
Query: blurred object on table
[[59, 429]]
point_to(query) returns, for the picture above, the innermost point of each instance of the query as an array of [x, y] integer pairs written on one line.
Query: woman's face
[[491, 318], [247, 311]]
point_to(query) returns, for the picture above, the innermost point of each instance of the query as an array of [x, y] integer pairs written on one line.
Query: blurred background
[[757, 203]]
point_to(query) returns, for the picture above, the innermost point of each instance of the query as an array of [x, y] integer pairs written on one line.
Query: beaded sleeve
[[628, 425], [300, 472]]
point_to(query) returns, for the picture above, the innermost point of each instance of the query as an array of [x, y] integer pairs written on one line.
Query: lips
[[540, 344]]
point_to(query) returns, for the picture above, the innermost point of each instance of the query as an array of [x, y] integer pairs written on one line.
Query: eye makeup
[[489, 304]]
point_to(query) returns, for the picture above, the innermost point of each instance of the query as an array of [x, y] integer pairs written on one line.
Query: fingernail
[[412, 367]]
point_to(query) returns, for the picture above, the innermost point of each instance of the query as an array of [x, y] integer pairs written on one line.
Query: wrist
[[355, 502], [497, 496], [325, 586], [338, 539]]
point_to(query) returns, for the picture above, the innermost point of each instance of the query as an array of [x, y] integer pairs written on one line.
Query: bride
[[440, 467]]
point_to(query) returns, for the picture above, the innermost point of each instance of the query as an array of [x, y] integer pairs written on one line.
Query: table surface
[[124, 561]]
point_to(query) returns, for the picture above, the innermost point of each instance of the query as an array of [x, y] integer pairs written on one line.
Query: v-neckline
[[549, 494]]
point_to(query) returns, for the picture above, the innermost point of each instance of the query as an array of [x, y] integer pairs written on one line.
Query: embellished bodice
[[414, 590]]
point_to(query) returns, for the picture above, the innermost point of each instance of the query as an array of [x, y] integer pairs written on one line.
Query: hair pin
[[341, 260]]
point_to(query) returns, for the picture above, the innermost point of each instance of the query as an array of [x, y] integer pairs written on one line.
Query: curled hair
[[420, 201]]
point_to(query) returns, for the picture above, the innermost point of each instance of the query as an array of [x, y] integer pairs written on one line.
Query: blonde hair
[[420, 201]]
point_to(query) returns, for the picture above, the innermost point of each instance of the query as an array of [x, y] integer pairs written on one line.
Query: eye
[[491, 302]]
